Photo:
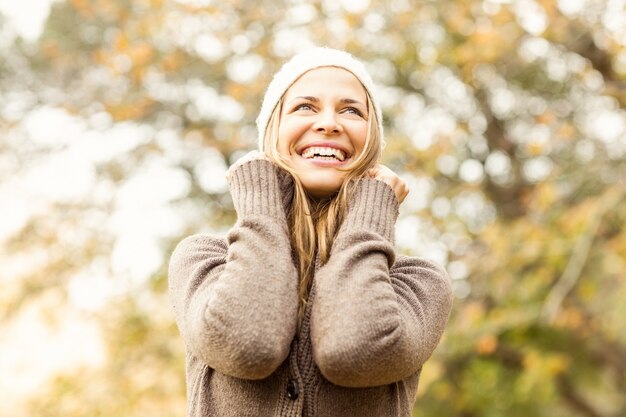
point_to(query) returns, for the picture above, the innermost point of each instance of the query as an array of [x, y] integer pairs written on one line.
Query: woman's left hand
[[381, 172]]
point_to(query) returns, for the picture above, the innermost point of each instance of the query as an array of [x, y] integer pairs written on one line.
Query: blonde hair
[[314, 224]]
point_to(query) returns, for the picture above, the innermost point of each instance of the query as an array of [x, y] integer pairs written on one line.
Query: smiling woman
[[324, 123], [305, 309]]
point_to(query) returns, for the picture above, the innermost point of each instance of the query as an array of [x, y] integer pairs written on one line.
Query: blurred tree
[[506, 118]]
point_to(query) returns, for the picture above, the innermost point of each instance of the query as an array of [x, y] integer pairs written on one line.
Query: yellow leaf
[[487, 344], [556, 364], [172, 62], [141, 54], [121, 42]]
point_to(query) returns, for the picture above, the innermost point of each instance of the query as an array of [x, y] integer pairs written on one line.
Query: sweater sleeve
[[235, 300], [375, 319]]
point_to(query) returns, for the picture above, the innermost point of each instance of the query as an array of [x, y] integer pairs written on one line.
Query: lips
[[324, 151]]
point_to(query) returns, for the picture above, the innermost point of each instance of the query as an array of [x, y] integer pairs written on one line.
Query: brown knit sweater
[[372, 320]]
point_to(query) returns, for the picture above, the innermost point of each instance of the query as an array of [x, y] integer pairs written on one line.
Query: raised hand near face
[[383, 173]]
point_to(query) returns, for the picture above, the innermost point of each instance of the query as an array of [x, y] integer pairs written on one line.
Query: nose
[[327, 123]]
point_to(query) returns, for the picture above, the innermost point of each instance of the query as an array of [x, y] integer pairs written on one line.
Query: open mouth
[[324, 154]]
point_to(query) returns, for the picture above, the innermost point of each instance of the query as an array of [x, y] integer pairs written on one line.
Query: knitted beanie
[[305, 61]]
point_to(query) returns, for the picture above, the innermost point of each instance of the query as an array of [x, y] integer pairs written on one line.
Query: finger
[[406, 192]]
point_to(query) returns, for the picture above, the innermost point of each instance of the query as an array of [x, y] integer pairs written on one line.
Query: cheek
[[283, 142], [360, 136], [288, 134]]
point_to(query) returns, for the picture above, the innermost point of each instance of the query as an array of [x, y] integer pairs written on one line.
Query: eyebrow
[[316, 100]]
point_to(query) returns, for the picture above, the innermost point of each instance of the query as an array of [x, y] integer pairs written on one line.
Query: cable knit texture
[[372, 320]]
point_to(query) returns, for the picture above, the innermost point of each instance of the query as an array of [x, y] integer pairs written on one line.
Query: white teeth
[[323, 152]]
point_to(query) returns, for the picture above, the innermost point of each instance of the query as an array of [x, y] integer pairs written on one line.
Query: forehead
[[327, 81]]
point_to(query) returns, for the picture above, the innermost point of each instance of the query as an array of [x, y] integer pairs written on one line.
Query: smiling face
[[323, 126]]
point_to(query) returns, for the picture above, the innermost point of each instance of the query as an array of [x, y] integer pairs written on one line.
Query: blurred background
[[119, 118]]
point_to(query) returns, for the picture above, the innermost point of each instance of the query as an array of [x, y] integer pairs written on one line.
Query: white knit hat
[[306, 61]]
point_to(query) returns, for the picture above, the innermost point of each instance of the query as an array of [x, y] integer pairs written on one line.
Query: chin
[[321, 187]]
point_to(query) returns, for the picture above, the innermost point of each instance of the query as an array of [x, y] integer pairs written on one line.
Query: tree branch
[[577, 261], [574, 399]]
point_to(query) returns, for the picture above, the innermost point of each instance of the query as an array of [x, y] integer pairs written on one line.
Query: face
[[323, 126]]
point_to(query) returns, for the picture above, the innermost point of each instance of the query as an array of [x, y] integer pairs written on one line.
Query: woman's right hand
[[250, 156], [285, 179]]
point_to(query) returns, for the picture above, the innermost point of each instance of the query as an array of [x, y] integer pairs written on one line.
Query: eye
[[353, 110], [303, 106]]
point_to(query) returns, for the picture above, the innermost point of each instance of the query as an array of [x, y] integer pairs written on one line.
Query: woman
[[305, 309]]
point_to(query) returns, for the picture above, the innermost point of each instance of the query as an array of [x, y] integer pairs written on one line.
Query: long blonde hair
[[314, 224]]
